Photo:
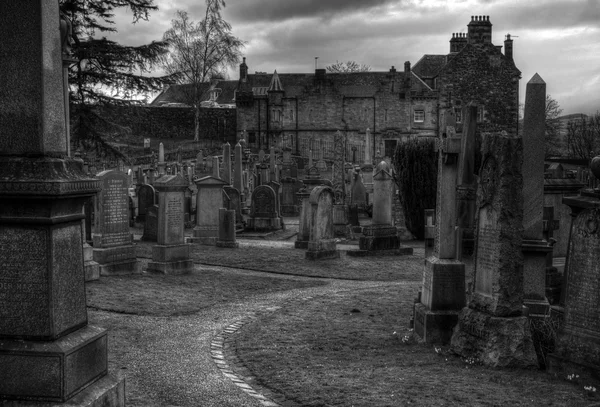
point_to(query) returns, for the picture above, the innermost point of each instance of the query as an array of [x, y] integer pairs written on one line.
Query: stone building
[[305, 110]]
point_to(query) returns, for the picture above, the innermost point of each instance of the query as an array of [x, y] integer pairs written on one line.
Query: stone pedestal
[[494, 341], [534, 282], [442, 297], [380, 240], [171, 255], [151, 224], [322, 244]]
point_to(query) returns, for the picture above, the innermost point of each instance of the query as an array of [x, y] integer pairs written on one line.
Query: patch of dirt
[[348, 350]]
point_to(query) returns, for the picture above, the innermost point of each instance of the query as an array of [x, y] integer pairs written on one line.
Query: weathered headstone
[[276, 188], [227, 163], [492, 329], [263, 210], [321, 244], [209, 199], [340, 218], [216, 168], [443, 290], [227, 229], [535, 248], [304, 222], [359, 191], [171, 255], [113, 248], [381, 237], [578, 341], [151, 224], [48, 352], [146, 198], [232, 201], [289, 200], [161, 160]]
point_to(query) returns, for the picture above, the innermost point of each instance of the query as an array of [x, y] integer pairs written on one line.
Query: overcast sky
[[558, 39]]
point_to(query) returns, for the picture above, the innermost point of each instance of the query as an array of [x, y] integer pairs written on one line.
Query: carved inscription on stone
[[115, 217], [584, 274], [174, 218], [264, 203], [488, 247], [24, 291]]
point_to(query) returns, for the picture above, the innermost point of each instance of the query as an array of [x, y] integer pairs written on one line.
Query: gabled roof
[[275, 85], [181, 94], [429, 65]]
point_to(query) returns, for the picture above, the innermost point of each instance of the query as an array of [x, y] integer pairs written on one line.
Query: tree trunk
[[197, 124]]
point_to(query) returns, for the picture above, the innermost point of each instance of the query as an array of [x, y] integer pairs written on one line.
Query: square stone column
[[48, 352], [171, 255]]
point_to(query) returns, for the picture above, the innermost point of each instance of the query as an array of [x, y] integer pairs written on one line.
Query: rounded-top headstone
[[595, 166]]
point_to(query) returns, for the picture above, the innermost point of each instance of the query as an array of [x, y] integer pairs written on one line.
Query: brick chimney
[[480, 30], [508, 47], [243, 70], [407, 67], [457, 42]]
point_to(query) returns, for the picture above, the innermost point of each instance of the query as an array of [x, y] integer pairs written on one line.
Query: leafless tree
[[197, 51], [583, 137], [349, 66]]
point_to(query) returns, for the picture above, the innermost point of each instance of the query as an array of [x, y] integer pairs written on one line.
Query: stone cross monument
[[48, 352]]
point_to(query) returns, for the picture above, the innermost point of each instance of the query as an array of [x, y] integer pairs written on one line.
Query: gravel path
[[167, 360]]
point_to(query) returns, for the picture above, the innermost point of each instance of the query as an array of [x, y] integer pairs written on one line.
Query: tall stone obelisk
[[48, 352]]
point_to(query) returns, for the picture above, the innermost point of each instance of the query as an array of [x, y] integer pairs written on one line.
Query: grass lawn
[[348, 350]]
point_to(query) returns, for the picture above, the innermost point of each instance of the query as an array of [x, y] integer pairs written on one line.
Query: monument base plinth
[[205, 240], [379, 237], [434, 326], [108, 391], [52, 371], [494, 341], [171, 259], [321, 250], [403, 251], [289, 210], [263, 224], [227, 244], [117, 260], [301, 244]]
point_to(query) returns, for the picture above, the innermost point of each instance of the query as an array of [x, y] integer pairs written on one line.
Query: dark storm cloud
[[277, 10]]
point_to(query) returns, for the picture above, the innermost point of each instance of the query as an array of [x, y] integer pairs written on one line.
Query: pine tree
[[104, 73]]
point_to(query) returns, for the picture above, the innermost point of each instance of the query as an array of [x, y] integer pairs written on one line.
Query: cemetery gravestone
[[232, 201], [48, 352], [577, 347], [289, 189], [227, 229], [171, 255], [492, 328], [263, 210], [535, 248], [322, 243], [304, 221], [113, 248], [151, 224], [146, 198], [209, 199]]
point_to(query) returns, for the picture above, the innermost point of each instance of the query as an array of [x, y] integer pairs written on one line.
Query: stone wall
[[173, 122]]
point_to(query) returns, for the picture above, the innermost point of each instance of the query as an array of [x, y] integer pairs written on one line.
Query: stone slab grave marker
[[322, 243], [443, 289], [48, 352], [535, 248], [340, 209], [492, 329], [113, 246], [381, 237], [263, 210], [227, 163], [151, 225], [227, 229], [146, 198], [578, 341], [305, 219], [209, 199], [232, 201], [171, 255], [289, 201]]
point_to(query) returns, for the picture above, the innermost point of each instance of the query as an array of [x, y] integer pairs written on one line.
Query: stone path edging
[[217, 347]]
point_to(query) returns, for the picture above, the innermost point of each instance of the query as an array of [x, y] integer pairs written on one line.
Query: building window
[[480, 114], [419, 116], [385, 116], [458, 115]]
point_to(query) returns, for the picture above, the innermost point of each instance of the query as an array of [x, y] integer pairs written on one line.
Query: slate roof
[[179, 93], [429, 65]]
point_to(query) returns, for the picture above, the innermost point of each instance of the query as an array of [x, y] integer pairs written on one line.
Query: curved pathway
[[179, 361]]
